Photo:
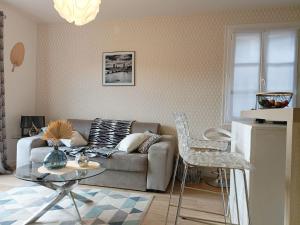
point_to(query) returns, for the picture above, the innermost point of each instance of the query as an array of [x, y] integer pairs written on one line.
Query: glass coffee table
[[63, 184]]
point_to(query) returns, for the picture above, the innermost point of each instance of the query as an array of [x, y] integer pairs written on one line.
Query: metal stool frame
[[221, 170]]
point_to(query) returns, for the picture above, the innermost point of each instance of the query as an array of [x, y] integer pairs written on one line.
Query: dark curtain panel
[[4, 168]]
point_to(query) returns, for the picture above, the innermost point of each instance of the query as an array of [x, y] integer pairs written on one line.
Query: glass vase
[[56, 159]]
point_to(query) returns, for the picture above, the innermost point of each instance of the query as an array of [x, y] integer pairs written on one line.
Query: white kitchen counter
[[264, 146], [291, 160]]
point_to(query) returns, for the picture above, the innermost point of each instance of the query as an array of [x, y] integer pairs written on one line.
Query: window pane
[[280, 77], [280, 46], [247, 48], [243, 101], [246, 78]]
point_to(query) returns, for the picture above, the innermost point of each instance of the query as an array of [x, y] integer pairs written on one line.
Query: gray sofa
[[135, 171]]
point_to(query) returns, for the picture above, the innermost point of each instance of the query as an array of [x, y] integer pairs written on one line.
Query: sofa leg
[[155, 191]]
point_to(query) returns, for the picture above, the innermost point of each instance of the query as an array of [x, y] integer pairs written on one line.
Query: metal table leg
[[64, 190], [72, 198], [46, 208], [81, 197], [75, 195]]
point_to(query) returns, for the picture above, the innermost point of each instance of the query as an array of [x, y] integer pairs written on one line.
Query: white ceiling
[[43, 11]]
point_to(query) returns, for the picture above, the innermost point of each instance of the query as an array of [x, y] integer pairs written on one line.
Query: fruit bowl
[[270, 100]]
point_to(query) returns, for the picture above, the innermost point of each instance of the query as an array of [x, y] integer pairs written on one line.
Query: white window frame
[[229, 61]]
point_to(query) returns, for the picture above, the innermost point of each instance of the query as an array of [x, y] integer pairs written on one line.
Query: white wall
[[20, 86], [179, 67]]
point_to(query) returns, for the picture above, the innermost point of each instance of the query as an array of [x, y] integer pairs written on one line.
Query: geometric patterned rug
[[108, 207]]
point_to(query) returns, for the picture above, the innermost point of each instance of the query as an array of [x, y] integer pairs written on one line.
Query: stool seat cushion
[[216, 159]]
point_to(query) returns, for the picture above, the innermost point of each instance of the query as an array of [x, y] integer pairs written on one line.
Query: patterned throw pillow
[[152, 139], [108, 133]]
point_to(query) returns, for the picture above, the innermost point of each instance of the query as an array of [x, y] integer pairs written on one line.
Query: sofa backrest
[[84, 126]]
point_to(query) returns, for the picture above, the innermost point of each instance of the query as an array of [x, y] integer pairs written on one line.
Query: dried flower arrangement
[[56, 130]]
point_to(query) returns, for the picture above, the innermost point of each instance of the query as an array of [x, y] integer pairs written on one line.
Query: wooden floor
[[203, 200]]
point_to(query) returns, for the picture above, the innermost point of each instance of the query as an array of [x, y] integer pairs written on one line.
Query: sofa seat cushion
[[123, 161], [120, 161]]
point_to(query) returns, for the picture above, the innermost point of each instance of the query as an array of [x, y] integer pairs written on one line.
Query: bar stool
[[206, 153], [218, 134]]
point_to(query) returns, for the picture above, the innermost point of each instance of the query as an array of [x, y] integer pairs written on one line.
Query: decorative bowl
[[270, 100]]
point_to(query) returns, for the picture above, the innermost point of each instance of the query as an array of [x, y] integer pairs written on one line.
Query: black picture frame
[[118, 68]]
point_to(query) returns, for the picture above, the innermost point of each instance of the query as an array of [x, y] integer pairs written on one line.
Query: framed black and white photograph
[[118, 69]]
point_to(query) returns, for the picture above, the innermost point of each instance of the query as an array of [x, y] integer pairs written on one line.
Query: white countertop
[[267, 125], [286, 114]]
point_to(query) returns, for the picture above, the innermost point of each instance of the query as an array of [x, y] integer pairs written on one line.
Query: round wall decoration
[[17, 55]]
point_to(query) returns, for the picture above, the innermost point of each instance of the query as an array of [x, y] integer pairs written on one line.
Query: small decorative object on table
[[82, 159], [269, 100], [57, 130]]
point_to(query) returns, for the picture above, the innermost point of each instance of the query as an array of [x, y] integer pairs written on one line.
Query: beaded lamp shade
[[79, 12]]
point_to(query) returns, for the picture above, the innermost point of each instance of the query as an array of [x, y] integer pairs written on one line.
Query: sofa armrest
[[24, 147], [160, 163]]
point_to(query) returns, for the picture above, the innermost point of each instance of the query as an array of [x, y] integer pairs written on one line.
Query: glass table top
[[30, 173]]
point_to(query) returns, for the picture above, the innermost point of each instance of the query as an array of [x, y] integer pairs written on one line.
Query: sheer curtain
[[263, 60], [280, 62], [4, 168], [246, 71]]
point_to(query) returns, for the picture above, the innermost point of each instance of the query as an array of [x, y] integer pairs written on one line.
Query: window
[[259, 60]]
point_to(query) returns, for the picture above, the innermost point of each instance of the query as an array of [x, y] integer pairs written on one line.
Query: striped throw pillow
[[150, 140]]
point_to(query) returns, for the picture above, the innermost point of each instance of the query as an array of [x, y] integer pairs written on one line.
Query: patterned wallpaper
[[179, 67]]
